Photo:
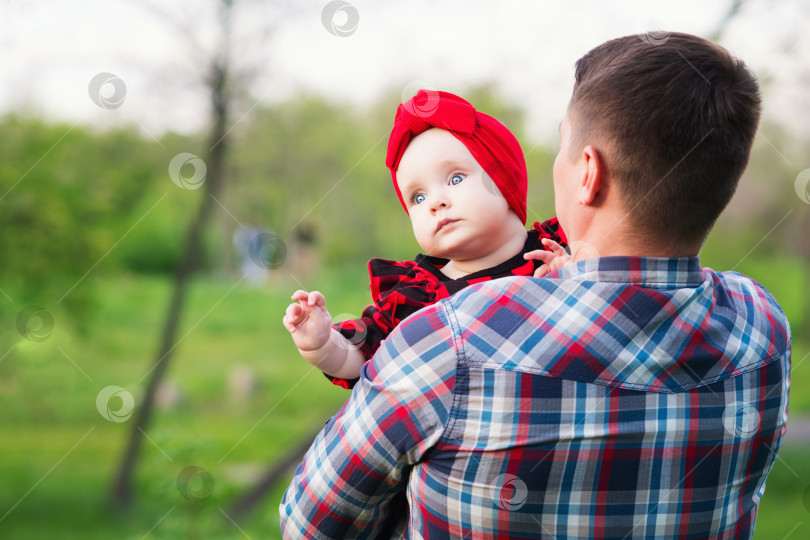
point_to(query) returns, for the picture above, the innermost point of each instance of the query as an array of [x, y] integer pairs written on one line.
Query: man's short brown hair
[[675, 118]]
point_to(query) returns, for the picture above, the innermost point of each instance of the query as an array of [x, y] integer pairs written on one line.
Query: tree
[[223, 81]]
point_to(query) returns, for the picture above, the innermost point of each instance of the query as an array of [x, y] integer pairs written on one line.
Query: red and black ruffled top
[[401, 288]]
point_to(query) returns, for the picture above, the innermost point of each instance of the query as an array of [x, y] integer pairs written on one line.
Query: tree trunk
[[123, 488]]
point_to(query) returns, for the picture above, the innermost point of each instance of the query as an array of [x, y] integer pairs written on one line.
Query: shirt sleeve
[[398, 290], [349, 482]]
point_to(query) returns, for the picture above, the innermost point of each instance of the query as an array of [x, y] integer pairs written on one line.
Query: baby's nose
[[440, 201]]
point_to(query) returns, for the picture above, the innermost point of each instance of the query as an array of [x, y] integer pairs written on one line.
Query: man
[[631, 394]]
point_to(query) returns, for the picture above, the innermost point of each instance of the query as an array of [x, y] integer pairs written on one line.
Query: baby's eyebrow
[[455, 163], [408, 188]]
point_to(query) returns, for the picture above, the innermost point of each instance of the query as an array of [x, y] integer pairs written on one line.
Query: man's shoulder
[[627, 329], [495, 288], [511, 288], [418, 360], [741, 290], [728, 286], [419, 338], [737, 282]]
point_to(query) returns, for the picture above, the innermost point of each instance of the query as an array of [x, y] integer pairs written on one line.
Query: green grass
[[58, 453]]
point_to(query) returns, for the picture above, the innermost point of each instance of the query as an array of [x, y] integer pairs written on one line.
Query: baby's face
[[456, 210]]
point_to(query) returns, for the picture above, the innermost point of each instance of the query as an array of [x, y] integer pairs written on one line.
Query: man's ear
[[592, 177]]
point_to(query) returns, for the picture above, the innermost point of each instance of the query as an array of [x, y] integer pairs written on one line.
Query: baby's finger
[[289, 322], [316, 299], [539, 255], [299, 295], [554, 246], [292, 313], [543, 271], [533, 254]]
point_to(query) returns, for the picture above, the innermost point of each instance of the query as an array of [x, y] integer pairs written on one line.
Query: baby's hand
[[308, 321], [552, 260]]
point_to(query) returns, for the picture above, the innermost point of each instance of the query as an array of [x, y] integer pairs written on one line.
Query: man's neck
[[616, 238]]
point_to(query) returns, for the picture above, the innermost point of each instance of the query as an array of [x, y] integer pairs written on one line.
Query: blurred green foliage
[[66, 193]]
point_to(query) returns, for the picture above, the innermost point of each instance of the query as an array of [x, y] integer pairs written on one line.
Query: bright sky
[[51, 50]]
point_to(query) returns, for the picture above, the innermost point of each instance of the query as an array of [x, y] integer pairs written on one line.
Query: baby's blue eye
[[456, 179], [419, 198]]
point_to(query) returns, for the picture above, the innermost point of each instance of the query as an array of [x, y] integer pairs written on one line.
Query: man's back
[[642, 399], [649, 409]]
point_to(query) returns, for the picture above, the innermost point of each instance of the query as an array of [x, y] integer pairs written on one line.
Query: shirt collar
[[652, 272]]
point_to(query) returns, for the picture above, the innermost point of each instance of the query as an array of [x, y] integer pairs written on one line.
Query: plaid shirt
[[624, 398]]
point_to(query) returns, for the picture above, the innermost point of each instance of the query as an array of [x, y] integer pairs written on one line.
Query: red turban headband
[[491, 144]]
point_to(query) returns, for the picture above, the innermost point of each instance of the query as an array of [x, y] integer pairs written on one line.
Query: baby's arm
[[552, 260], [322, 346]]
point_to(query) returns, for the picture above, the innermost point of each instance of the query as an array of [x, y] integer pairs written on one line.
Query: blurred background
[[170, 172]]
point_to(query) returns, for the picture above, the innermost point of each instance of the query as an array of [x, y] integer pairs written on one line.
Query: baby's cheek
[[419, 233]]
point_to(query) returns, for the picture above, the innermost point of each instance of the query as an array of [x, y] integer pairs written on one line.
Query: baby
[[461, 177]]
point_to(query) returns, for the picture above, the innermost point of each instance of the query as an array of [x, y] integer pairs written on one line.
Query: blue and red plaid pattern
[[623, 398]]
